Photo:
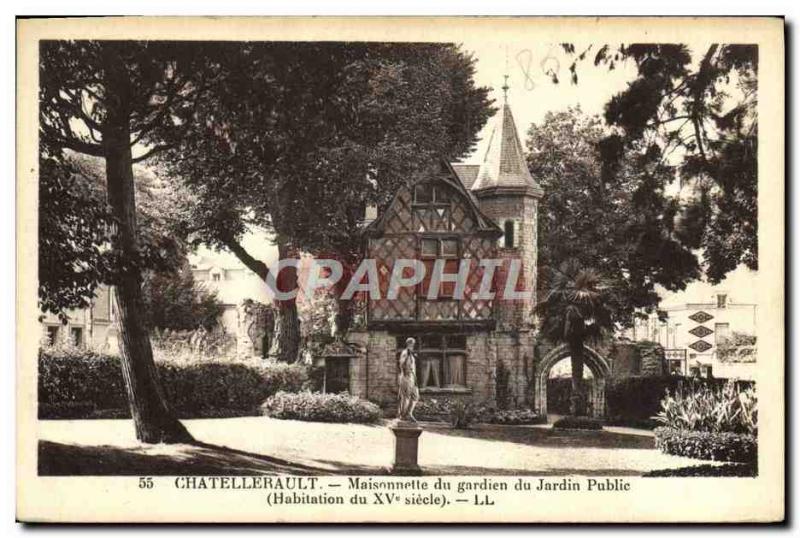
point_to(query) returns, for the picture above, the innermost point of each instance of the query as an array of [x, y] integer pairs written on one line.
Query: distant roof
[[504, 163], [467, 173]]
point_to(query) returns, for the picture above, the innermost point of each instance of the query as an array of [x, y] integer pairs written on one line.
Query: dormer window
[[431, 208], [423, 193], [429, 193]]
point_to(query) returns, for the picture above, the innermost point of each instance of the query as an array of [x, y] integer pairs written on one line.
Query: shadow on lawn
[[57, 459], [548, 437]]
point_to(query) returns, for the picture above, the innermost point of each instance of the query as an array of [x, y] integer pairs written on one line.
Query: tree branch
[[154, 150], [257, 266]]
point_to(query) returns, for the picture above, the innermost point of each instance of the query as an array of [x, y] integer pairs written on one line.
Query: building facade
[[694, 336], [468, 347], [88, 327]]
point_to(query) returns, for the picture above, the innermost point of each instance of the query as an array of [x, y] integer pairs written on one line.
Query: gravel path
[[262, 445]]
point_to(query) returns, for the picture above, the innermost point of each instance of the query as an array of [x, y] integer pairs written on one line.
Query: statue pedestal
[[406, 448]]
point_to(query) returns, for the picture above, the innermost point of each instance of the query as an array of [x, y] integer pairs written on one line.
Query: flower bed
[[318, 407], [710, 423]]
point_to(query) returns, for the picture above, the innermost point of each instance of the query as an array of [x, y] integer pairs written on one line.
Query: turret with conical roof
[[509, 195], [503, 165]]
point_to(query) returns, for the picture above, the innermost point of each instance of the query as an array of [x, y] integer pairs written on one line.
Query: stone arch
[[598, 365]]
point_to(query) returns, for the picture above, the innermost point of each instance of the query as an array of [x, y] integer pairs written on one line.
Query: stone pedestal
[[406, 448]]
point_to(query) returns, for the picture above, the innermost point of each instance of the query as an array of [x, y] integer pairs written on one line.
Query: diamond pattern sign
[[701, 317], [701, 331], [700, 346]]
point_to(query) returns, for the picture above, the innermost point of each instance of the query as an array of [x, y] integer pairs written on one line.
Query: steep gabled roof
[[467, 173], [504, 164], [447, 174]]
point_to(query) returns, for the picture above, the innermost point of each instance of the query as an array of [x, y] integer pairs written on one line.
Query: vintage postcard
[[400, 270]]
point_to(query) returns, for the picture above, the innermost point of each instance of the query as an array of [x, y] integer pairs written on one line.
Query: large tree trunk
[[152, 417], [287, 328], [577, 400]]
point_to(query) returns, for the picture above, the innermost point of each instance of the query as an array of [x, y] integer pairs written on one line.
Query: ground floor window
[[76, 336], [441, 359], [52, 335]]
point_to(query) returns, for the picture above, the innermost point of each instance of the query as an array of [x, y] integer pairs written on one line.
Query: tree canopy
[[174, 300], [300, 137], [75, 225], [700, 112], [621, 226]]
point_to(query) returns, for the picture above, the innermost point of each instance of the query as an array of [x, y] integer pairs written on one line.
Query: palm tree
[[575, 310]]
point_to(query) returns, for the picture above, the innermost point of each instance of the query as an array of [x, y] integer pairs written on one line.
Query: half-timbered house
[[469, 346]]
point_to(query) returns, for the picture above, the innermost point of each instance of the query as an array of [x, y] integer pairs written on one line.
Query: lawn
[[258, 445]]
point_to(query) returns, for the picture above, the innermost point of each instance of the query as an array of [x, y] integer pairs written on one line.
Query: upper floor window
[[216, 277], [722, 300], [433, 247], [428, 193], [511, 234], [508, 238], [721, 332]]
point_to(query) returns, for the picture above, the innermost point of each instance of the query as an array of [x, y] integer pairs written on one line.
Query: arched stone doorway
[[594, 361]]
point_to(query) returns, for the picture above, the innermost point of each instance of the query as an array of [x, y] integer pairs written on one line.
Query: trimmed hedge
[[77, 384], [715, 446], [318, 407], [578, 423]]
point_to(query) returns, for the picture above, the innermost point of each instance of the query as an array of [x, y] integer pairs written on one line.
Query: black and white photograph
[[445, 273]]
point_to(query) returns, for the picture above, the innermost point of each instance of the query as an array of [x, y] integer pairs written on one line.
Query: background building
[[693, 332]]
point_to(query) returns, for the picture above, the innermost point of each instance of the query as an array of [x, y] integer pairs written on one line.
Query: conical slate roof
[[504, 164]]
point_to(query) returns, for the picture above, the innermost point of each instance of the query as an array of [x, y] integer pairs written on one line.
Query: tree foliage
[[701, 113], [300, 137], [119, 100], [75, 225], [174, 300], [576, 310], [622, 226]]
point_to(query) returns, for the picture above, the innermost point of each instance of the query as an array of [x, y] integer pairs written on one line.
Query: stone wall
[[373, 372], [512, 315]]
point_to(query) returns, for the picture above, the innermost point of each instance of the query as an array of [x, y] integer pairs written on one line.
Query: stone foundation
[[373, 372]]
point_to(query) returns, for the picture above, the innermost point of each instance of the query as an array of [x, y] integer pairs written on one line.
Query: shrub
[[730, 408], [451, 409], [433, 409], [78, 383], [578, 423], [318, 407], [705, 445], [74, 382], [463, 414], [513, 417]]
